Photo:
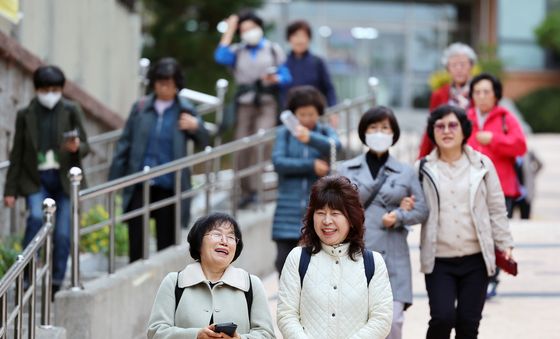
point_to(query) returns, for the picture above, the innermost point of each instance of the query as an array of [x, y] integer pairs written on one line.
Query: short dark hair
[[48, 76], [377, 114], [249, 16], [166, 68], [206, 224], [296, 26], [445, 110], [496, 85], [336, 192], [301, 96]]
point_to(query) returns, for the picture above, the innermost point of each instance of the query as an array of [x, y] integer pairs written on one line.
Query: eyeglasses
[[217, 236], [451, 126]]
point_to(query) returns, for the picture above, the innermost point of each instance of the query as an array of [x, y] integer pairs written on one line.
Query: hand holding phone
[[227, 328], [290, 121]]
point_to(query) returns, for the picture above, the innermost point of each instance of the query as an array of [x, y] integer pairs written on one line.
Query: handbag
[[507, 265]]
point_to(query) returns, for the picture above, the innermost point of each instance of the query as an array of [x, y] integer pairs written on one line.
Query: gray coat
[[402, 181]]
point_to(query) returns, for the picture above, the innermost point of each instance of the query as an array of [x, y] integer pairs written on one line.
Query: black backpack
[[369, 264]]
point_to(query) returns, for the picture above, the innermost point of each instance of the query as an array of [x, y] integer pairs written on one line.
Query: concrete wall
[[119, 306], [96, 43]]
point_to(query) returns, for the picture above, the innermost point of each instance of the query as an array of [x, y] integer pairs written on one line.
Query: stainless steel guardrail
[[31, 271], [348, 113]]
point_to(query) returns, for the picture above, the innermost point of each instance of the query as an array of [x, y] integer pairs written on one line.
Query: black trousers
[[283, 248], [456, 292], [164, 218]]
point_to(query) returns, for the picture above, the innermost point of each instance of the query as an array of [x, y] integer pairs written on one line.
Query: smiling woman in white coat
[[330, 286]]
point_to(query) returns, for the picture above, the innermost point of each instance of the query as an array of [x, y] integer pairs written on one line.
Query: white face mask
[[49, 99], [379, 141], [252, 36]]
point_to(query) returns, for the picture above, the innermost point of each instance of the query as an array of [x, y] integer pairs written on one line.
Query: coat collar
[[336, 251], [233, 276], [360, 161]]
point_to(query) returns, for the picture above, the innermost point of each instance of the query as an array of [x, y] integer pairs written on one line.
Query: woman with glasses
[[211, 291], [392, 200], [467, 221]]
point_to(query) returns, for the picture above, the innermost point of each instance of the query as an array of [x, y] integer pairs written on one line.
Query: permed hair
[[458, 48], [301, 96], [339, 193]]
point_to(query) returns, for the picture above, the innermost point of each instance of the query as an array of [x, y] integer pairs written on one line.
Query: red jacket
[[508, 142], [439, 97]]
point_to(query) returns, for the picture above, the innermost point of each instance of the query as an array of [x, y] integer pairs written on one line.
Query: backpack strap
[[505, 128], [369, 265], [248, 295], [178, 292], [304, 260], [420, 168]]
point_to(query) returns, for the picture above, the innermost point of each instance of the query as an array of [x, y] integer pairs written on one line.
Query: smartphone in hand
[[290, 121], [227, 328]]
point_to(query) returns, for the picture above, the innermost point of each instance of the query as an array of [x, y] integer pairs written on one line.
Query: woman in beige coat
[[467, 221], [191, 302]]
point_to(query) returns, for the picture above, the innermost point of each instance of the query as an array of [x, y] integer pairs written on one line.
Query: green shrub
[[98, 241], [541, 110], [548, 32], [10, 248]]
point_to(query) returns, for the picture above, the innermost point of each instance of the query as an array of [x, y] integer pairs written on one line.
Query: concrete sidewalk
[[527, 306]]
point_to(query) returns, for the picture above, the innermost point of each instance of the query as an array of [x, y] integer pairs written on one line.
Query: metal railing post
[[178, 192], [112, 226], [75, 175], [146, 220], [221, 91], [260, 159], [49, 209]]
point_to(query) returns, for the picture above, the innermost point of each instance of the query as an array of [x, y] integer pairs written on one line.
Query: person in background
[[49, 139], [498, 135], [458, 59], [189, 303], [259, 70], [392, 199], [467, 221], [156, 132], [334, 297], [299, 160], [305, 67]]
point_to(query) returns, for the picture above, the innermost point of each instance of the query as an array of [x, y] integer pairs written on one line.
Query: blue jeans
[[51, 188]]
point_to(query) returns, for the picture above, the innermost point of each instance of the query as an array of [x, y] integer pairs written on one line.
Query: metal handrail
[[26, 295], [208, 156]]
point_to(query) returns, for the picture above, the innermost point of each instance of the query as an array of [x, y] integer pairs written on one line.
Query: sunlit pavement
[[527, 306]]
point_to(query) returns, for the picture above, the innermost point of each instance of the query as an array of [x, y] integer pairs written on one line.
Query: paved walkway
[[527, 306]]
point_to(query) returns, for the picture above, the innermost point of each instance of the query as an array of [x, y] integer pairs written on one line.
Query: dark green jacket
[[23, 174]]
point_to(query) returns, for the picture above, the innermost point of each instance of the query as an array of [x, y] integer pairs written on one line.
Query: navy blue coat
[[309, 69], [131, 147], [294, 163]]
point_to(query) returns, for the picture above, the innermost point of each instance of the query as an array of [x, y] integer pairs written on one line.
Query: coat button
[[334, 287], [333, 314], [217, 310], [336, 262]]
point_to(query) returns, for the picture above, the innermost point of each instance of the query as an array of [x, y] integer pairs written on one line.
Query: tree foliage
[[548, 32], [186, 30]]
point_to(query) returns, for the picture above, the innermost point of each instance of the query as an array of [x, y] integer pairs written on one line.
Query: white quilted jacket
[[335, 301]]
